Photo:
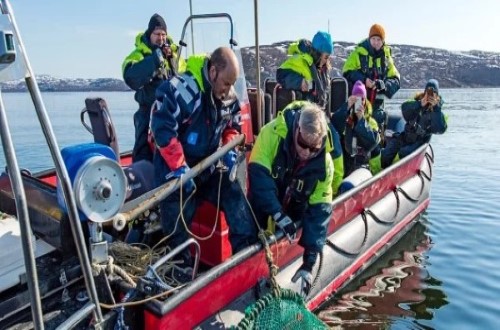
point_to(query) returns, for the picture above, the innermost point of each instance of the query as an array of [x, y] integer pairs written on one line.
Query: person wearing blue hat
[[372, 63], [423, 118], [306, 71]]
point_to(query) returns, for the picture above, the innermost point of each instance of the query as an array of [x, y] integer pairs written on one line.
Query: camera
[[165, 45], [358, 104]]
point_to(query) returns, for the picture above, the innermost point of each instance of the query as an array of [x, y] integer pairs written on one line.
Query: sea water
[[444, 274]]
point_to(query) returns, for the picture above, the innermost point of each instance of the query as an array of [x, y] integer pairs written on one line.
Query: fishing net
[[286, 311], [279, 309]]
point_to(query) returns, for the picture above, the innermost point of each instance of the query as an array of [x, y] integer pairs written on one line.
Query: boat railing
[[132, 209], [190, 20], [11, 31]]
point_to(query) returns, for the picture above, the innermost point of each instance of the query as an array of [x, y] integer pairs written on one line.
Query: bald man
[[195, 113]]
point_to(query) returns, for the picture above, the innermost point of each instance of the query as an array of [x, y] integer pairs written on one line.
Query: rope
[[410, 198], [318, 273], [358, 251], [273, 269], [139, 302], [430, 161], [111, 269], [181, 214], [134, 258], [393, 219]]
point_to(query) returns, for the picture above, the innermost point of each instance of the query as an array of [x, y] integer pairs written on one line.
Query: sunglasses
[[303, 144]]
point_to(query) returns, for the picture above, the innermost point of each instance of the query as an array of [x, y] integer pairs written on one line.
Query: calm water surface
[[444, 274]]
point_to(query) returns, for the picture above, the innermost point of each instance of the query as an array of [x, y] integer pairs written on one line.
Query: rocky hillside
[[48, 83], [415, 64]]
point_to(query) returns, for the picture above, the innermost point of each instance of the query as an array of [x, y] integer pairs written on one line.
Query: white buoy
[[355, 179]]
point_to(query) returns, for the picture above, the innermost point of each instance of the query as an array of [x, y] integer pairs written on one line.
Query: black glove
[[286, 224], [379, 85], [304, 273], [159, 55]]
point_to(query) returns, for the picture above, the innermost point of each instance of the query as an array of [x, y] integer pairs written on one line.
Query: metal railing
[[20, 196]]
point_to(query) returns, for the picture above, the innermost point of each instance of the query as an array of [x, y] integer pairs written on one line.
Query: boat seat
[[252, 98], [101, 125], [338, 93], [280, 97], [268, 99]]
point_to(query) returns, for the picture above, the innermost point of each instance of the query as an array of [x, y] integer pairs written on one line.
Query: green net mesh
[[286, 310]]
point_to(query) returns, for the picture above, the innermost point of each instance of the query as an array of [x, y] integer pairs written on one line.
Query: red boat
[[366, 221]]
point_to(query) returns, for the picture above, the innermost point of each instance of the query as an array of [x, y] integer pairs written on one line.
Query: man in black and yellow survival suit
[[151, 62], [372, 63], [307, 72], [291, 173], [196, 113]]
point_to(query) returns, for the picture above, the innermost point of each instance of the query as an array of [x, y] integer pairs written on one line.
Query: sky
[[90, 39]]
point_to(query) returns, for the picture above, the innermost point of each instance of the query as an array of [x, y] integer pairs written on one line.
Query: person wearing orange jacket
[[371, 62]]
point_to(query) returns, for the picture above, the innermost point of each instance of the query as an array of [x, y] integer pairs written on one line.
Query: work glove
[[188, 185], [286, 224], [379, 85], [159, 54], [304, 274], [229, 159]]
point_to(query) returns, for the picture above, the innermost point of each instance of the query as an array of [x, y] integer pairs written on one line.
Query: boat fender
[[355, 179], [98, 181]]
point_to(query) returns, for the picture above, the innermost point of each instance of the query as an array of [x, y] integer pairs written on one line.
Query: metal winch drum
[[98, 181]]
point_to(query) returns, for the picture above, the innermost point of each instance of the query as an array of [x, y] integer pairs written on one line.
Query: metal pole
[[136, 207], [23, 217], [257, 55], [79, 315], [192, 31], [61, 171]]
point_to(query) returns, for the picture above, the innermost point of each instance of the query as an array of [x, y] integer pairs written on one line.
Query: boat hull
[[366, 221]]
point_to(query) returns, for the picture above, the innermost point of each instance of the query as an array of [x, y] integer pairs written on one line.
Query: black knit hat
[[156, 22], [433, 84]]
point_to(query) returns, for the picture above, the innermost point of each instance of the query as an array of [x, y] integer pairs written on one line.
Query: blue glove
[[304, 275], [188, 185], [229, 159], [286, 224]]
